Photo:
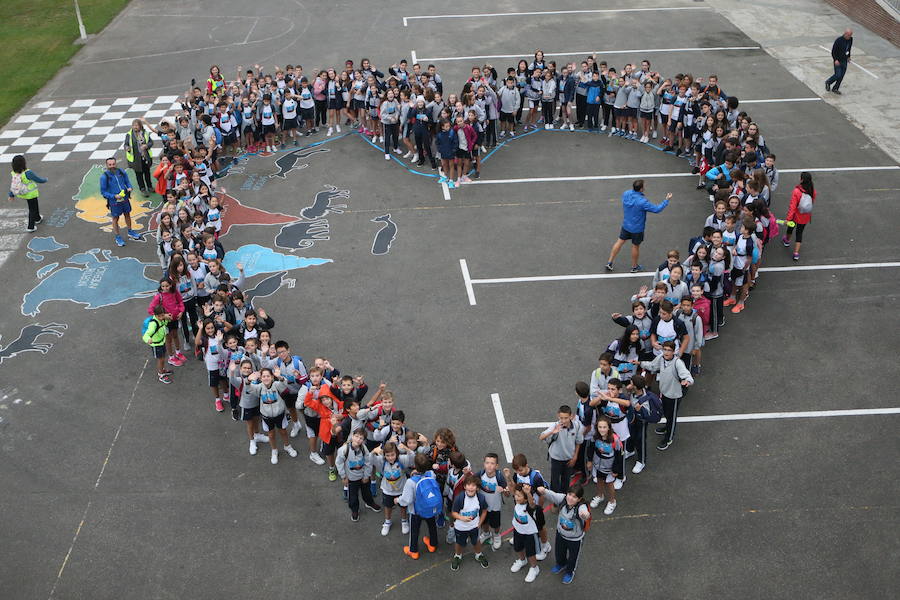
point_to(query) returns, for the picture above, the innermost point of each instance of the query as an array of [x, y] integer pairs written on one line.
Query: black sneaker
[[700, 186], [476, 174], [609, 267], [827, 87], [660, 430], [836, 91], [637, 269], [354, 517], [664, 446], [374, 507]]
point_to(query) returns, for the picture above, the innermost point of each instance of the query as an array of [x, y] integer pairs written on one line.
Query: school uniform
[[569, 530], [562, 446], [670, 375]]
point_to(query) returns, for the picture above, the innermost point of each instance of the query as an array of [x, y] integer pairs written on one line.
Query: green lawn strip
[[38, 38]]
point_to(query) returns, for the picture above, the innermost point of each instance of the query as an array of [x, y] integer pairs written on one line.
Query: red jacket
[[171, 301], [793, 214], [323, 411], [702, 306], [469, 132]]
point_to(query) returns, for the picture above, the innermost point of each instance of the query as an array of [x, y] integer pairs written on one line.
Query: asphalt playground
[[118, 487]]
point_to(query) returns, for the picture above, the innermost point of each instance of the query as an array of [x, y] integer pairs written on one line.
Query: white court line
[[555, 12], [504, 428], [779, 100], [585, 276], [595, 52], [853, 412], [252, 29], [446, 190], [661, 175], [464, 267], [412, 55], [87, 508], [862, 68]]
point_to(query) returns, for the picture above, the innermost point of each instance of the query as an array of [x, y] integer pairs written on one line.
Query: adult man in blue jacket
[[116, 188], [635, 206], [840, 54]]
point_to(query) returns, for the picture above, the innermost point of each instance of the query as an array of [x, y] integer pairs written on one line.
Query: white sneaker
[[330, 131], [314, 456], [532, 574], [511, 541], [497, 542], [596, 500], [545, 547], [338, 128], [415, 157], [502, 134], [387, 156], [381, 138], [603, 128], [517, 566], [398, 151], [546, 126], [618, 483], [295, 429], [484, 535], [407, 155], [654, 134], [290, 450], [404, 526], [258, 437], [712, 198], [627, 455], [637, 468], [610, 507], [540, 555], [550, 126], [571, 126], [385, 528], [483, 149], [252, 447], [274, 457]]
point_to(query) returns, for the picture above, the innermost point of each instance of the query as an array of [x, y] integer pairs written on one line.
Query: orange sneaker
[[738, 308], [428, 544], [729, 302], [412, 555]]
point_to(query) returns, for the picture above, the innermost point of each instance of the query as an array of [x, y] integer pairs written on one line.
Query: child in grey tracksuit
[[354, 466], [672, 377]]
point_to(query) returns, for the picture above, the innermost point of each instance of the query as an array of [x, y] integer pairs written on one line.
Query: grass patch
[[38, 38]]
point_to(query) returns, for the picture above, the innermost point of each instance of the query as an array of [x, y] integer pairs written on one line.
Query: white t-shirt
[[471, 507], [522, 521]]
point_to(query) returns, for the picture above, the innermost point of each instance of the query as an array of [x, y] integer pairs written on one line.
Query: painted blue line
[[504, 142], [394, 158]]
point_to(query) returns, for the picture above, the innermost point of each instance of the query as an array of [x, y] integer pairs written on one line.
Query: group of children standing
[[364, 440]]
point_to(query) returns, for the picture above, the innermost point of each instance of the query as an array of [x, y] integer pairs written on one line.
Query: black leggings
[[321, 112], [34, 212], [423, 145], [353, 489], [189, 320], [391, 136], [547, 110], [800, 227], [143, 177], [521, 107], [490, 133], [717, 313], [580, 108], [607, 114], [593, 112]]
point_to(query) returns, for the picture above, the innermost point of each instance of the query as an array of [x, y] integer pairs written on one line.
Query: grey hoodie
[[353, 464], [270, 402], [509, 99], [671, 374]]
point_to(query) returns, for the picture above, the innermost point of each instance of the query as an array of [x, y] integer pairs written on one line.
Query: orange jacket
[[323, 411], [161, 173]]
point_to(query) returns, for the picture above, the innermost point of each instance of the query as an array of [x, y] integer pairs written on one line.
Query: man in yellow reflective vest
[[137, 152]]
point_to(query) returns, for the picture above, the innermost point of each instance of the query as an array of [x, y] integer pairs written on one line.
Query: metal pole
[[81, 30]]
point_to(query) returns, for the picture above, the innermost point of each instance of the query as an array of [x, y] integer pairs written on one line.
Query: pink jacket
[[470, 134], [171, 301], [318, 87]]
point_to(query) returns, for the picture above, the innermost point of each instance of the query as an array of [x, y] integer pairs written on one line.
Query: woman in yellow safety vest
[[24, 185], [137, 152]]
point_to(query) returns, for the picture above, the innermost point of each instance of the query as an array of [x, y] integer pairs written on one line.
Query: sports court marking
[[661, 175], [87, 508], [555, 12], [596, 52], [855, 64], [471, 283], [505, 427]]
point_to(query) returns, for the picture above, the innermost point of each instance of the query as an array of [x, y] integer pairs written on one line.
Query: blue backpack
[[219, 137], [428, 502]]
